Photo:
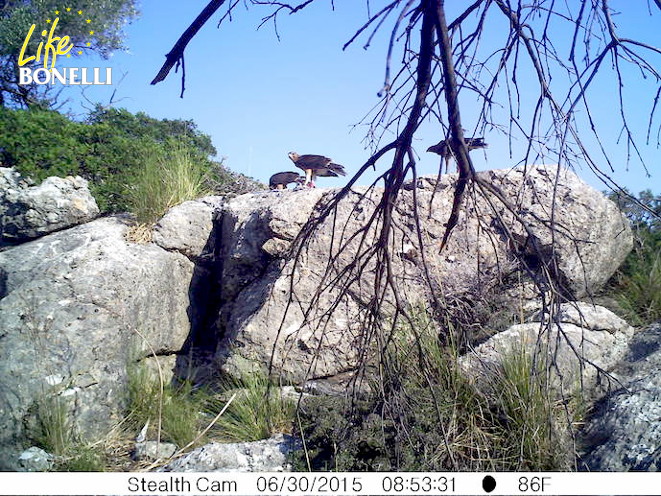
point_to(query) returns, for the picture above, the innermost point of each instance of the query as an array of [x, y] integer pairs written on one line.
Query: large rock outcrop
[[579, 345], [79, 305], [623, 432], [27, 212], [270, 306], [580, 234], [77, 308]]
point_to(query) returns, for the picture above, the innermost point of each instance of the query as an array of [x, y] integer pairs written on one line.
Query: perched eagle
[[443, 149], [316, 165], [280, 180]]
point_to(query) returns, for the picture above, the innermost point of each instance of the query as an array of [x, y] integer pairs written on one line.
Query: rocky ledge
[[219, 291]]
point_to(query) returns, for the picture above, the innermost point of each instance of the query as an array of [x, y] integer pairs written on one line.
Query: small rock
[[154, 450], [268, 455], [35, 460], [27, 212], [187, 227]]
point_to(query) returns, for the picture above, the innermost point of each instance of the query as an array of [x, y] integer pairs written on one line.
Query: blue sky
[[259, 98]]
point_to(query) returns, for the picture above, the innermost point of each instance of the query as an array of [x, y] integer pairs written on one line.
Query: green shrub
[[343, 436], [108, 148], [40, 143], [639, 287], [637, 283]]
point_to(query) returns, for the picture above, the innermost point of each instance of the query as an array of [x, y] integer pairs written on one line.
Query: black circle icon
[[488, 483]]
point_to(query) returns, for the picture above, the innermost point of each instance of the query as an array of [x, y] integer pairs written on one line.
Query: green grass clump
[[164, 180], [82, 458], [529, 414], [179, 414], [258, 411], [52, 430], [174, 412], [182, 415]]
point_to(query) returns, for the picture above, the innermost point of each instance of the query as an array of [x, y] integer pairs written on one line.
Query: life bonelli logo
[[52, 45]]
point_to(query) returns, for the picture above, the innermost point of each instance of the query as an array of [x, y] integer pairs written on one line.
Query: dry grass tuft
[[140, 233]]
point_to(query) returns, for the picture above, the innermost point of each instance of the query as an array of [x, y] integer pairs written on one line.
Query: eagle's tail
[[476, 143], [337, 168]]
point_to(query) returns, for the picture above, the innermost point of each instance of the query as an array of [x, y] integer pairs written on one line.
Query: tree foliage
[[644, 212], [108, 18], [108, 148]]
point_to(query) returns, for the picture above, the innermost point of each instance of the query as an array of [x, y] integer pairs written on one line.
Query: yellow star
[[88, 21], [91, 32], [68, 55], [88, 44], [80, 52], [68, 9], [80, 12], [48, 21], [57, 12]]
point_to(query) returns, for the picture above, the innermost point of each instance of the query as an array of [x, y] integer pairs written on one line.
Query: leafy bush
[[40, 143], [639, 286], [109, 148], [110, 17]]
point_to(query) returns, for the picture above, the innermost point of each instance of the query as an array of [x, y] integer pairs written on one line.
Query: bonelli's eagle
[[280, 180], [443, 149], [316, 166]]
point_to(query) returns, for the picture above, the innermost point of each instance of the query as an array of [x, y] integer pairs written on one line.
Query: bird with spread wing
[[443, 149], [316, 166]]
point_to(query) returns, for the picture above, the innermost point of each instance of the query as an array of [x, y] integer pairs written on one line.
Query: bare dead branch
[[383, 14], [177, 53], [456, 141]]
